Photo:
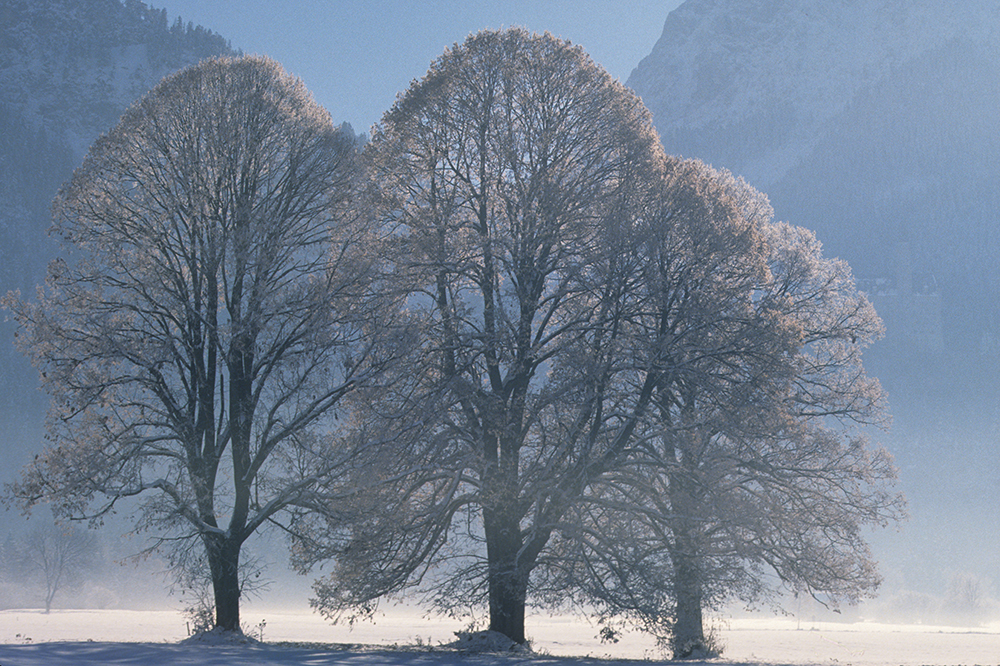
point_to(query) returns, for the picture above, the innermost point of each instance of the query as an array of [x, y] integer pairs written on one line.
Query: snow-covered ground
[[152, 638]]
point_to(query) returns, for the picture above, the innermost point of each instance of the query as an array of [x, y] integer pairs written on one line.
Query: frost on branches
[[750, 464], [510, 174], [512, 354]]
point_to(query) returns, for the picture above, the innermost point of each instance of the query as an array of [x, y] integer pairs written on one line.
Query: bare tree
[[631, 378], [58, 555], [967, 594], [217, 302], [507, 172], [748, 463]]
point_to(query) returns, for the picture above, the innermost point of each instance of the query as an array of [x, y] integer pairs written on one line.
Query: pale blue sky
[[355, 55]]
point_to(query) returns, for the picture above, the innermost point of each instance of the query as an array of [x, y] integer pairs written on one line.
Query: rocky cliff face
[[869, 121], [873, 122], [755, 85], [68, 69]]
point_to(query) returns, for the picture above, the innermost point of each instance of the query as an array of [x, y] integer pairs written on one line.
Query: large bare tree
[[216, 302], [682, 441], [508, 172]]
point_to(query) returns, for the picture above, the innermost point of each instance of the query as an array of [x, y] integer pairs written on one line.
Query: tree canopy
[[595, 314], [752, 462], [505, 172], [511, 354]]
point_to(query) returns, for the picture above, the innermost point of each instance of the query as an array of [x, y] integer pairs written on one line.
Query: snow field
[[151, 638]]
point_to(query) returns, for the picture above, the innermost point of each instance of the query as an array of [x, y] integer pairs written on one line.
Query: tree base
[[220, 636], [487, 641], [697, 649]]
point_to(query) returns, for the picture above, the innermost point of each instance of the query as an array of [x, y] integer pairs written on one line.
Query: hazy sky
[[355, 55]]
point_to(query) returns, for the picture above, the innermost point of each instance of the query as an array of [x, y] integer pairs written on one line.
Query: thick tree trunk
[[687, 552], [507, 602], [689, 629], [224, 562], [508, 593], [508, 577]]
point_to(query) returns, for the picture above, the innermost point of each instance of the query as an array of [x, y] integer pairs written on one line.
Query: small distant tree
[[58, 555], [217, 301], [967, 595]]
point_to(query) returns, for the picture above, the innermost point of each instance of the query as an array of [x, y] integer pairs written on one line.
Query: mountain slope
[[751, 85], [68, 70], [870, 121]]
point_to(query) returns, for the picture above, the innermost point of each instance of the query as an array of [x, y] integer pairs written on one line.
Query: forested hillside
[[68, 69]]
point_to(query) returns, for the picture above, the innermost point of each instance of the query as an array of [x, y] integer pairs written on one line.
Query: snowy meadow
[[152, 638]]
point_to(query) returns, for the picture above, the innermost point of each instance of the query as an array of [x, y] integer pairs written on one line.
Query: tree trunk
[[687, 552], [508, 577], [508, 597], [224, 562], [689, 631]]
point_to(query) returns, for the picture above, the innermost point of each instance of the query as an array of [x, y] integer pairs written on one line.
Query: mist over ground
[[403, 636]]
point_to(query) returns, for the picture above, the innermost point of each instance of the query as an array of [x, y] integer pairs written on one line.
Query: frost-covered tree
[[217, 301], [746, 467], [507, 174]]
